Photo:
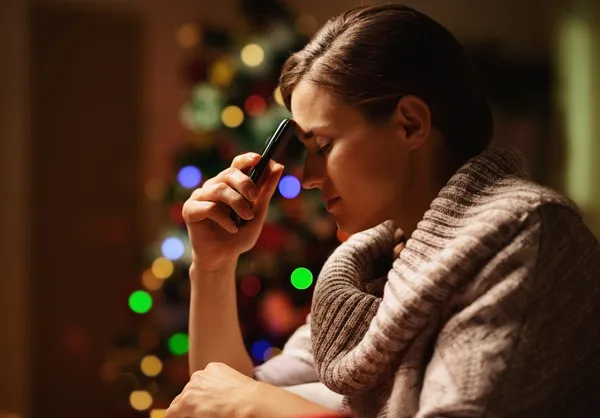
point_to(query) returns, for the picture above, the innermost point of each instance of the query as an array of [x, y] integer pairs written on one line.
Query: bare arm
[[214, 328]]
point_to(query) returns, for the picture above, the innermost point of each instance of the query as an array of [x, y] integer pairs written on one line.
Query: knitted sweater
[[492, 308]]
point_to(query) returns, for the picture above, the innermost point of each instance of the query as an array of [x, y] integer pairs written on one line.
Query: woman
[[465, 290]]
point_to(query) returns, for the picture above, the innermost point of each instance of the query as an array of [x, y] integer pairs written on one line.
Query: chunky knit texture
[[491, 308]]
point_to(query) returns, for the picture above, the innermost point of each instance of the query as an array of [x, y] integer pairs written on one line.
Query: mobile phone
[[276, 143]]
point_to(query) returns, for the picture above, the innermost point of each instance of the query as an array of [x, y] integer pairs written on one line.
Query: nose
[[313, 175]]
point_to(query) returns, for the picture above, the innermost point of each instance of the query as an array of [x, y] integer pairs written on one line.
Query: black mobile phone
[[276, 143]]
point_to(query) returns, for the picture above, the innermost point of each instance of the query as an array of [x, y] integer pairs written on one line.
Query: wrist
[[207, 273]]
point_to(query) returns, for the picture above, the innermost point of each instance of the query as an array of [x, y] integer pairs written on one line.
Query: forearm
[[275, 402], [214, 328]]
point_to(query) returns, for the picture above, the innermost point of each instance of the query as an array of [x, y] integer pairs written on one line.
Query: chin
[[351, 225]]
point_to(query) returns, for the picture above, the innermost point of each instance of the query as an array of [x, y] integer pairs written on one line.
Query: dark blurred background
[[90, 100]]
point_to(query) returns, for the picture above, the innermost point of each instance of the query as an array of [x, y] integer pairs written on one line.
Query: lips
[[330, 203]]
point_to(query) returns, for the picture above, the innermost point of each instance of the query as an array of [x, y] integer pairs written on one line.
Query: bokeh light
[[158, 413], [250, 286], [221, 73], [140, 301], [302, 278], [255, 105], [140, 400], [271, 352], [162, 268], [150, 281], [252, 55], [179, 344], [278, 97], [172, 248], [289, 187], [188, 35], [259, 348], [151, 366], [189, 177], [232, 116]]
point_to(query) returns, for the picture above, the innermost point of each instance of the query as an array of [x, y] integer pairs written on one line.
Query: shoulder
[[515, 199]]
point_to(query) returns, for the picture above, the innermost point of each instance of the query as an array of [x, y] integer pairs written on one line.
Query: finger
[[197, 211], [245, 161], [268, 189], [223, 192], [240, 182]]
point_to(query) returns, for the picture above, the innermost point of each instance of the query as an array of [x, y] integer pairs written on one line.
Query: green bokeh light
[[179, 344], [302, 278], [140, 301]]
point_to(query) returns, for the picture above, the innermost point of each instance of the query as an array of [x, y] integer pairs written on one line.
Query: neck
[[434, 175]]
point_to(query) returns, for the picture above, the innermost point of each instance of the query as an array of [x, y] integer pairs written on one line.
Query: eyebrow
[[305, 136]]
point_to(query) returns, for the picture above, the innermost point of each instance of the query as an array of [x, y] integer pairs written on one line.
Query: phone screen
[[273, 150]]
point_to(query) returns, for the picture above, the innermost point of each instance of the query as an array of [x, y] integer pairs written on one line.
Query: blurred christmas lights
[[271, 352], [162, 268], [140, 301], [289, 187], [259, 348], [140, 400], [252, 55], [222, 72], [151, 366], [188, 35], [179, 344], [302, 278], [172, 248], [232, 116], [150, 281], [255, 105], [189, 177], [250, 286], [278, 97]]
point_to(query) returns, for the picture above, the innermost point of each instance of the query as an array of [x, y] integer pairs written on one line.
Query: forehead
[[314, 106]]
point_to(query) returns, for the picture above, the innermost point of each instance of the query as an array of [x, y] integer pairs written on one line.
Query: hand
[[220, 391], [214, 237], [216, 391]]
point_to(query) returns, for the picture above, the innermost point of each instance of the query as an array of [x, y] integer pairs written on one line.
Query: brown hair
[[369, 57]]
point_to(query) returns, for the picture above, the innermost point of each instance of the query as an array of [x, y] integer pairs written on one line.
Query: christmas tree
[[234, 105]]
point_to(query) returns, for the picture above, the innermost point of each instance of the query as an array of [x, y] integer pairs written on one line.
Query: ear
[[413, 121]]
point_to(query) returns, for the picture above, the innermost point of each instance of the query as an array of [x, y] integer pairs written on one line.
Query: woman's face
[[361, 169]]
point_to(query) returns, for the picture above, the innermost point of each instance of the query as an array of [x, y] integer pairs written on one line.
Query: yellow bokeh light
[[221, 73], [271, 352], [150, 281], [151, 366], [232, 116], [158, 413], [188, 35], [278, 97], [162, 268], [140, 400], [252, 55], [306, 24]]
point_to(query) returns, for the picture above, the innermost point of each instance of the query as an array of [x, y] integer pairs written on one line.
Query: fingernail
[[233, 229], [248, 215], [253, 194]]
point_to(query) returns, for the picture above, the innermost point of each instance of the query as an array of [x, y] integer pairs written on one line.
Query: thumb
[[268, 189]]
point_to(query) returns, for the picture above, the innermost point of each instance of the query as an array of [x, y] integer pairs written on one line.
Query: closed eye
[[324, 149]]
